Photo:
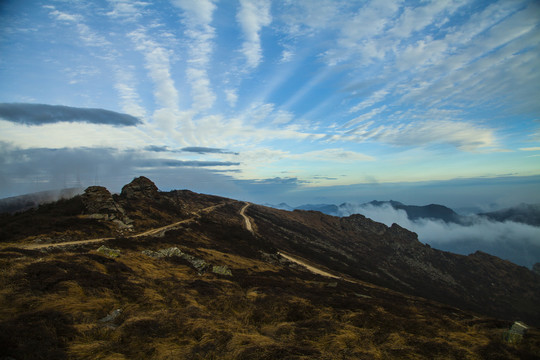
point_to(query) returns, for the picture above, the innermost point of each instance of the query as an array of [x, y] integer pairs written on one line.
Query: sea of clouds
[[517, 242]]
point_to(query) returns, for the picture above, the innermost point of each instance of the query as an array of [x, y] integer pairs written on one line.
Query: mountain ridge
[[384, 279]]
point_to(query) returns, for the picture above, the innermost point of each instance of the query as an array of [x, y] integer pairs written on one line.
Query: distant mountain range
[[524, 213]]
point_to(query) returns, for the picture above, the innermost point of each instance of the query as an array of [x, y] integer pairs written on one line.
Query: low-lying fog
[[519, 243]]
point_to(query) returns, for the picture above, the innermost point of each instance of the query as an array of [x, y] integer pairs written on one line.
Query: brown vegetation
[[58, 303]]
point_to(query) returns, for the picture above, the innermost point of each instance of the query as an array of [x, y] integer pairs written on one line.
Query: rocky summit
[[140, 187], [146, 274]]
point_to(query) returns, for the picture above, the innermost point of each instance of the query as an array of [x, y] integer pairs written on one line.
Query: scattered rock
[[221, 270], [173, 251], [140, 187], [200, 265], [112, 253], [516, 333], [112, 316], [123, 225], [362, 296]]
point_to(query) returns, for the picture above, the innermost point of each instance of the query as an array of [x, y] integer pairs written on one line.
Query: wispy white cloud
[[333, 155], [64, 134], [232, 96], [376, 97], [253, 15], [127, 10], [125, 84], [287, 55], [62, 16], [365, 117], [197, 17], [90, 37], [462, 135], [158, 64], [418, 18], [361, 34]]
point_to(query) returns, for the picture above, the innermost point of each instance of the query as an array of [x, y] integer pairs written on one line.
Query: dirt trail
[[151, 232], [247, 222], [309, 267]]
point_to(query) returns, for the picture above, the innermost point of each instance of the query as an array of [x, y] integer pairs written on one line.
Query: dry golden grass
[[52, 303]]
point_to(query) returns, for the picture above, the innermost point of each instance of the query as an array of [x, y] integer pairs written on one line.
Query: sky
[[274, 101]]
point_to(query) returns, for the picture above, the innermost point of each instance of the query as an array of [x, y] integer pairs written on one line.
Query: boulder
[[112, 253], [98, 200], [112, 316], [221, 270], [140, 187]]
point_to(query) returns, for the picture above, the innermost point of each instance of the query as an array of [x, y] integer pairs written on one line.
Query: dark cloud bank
[[40, 114], [191, 149]]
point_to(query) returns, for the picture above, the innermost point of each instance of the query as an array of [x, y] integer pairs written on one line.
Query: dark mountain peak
[[392, 203], [403, 235], [364, 224], [415, 212], [522, 213], [328, 209], [140, 187]]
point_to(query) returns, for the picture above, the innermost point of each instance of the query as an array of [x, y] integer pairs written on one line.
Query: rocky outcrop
[[112, 253], [221, 270], [99, 204], [198, 264], [536, 268], [140, 187], [98, 200]]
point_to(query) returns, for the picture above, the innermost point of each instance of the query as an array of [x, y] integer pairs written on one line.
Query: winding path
[[151, 232], [162, 229], [247, 222], [308, 267]]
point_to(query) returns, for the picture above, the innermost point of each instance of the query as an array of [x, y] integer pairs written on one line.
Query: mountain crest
[[140, 187]]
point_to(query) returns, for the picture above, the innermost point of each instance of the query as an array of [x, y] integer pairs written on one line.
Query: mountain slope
[[183, 276], [393, 257]]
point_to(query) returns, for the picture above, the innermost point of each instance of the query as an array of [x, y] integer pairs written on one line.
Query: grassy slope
[[52, 303]]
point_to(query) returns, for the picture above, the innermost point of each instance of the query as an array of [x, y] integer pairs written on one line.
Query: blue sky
[[274, 101]]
